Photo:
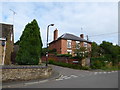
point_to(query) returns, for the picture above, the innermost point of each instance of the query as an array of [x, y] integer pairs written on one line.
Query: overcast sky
[[95, 18]]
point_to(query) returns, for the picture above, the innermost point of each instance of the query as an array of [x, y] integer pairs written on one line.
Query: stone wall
[[13, 73]]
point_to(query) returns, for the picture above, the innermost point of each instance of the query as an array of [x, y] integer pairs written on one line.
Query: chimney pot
[[82, 35]]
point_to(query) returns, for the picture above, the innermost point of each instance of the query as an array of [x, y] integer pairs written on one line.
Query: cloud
[[95, 18]]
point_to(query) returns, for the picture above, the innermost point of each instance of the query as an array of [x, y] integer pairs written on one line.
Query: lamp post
[[47, 43]]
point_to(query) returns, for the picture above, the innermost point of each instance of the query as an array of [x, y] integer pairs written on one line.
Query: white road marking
[[64, 77], [58, 79], [43, 81], [74, 76], [30, 83], [100, 72], [112, 71], [95, 73], [67, 78], [104, 72]]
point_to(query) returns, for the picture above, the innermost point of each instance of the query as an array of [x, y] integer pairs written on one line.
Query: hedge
[[74, 66]]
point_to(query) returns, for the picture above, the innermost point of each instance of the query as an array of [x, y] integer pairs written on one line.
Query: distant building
[[6, 43], [67, 43]]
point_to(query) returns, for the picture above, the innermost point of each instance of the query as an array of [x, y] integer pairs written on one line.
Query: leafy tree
[[95, 51], [81, 53], [30, 45], [17, 43], [110, 51], [44, 50]]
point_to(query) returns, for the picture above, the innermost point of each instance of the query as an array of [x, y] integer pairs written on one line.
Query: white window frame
[[77, 44], [69, 51], [85, 44], [69, 45]]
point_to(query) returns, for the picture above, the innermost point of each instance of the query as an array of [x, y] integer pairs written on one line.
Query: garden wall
[[13, 73], [85, 62]]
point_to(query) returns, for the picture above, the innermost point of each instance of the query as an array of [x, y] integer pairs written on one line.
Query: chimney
[[81, 43], [82, 35], [55, 34]]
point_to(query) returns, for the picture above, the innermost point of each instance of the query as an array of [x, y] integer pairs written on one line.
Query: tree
[[30, 46], [95, 51], [17, 43], [110, 51], [81, 53]]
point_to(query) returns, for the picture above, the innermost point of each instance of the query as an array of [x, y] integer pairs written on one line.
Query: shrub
[[30, 45], [64, 55], [97, 63], [74, 66]]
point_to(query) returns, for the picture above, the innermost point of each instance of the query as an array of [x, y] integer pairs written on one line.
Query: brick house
[[6, 43], [67, 43]]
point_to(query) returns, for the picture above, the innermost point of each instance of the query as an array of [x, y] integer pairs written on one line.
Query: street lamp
[[47, 44]]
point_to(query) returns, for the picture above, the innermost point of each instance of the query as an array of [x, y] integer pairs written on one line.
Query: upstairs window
[[68, 43], [77, 44], [85, 44]]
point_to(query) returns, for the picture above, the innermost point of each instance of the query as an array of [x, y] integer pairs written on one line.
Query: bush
[[97, 63], [30, 45], [74, 66], [75, 57], [64, 55]]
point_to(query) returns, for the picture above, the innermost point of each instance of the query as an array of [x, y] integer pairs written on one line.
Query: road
[[71, 78]]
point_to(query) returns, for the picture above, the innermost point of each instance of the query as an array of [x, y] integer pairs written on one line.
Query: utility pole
[[81, 30], [87, 37], [13, 23]]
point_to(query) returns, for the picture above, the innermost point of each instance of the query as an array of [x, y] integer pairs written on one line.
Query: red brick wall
[[60, 46], [73, 47], [63, 46], [59, 59]]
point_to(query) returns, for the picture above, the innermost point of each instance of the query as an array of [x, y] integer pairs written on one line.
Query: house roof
[[68, 36]]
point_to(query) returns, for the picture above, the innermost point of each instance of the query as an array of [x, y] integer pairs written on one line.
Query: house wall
[[56, 45], [9, 50], [61, 46], [89, 46], [1, 52], [7, 32]]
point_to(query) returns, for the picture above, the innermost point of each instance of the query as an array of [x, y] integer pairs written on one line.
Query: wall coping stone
[[22, 67]]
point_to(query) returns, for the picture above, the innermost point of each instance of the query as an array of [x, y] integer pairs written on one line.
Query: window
[[69, 51], [3, 43], [77, 44], [85, 44], [68, 43]]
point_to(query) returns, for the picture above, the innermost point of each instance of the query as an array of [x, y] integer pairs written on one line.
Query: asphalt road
[[71, 78]]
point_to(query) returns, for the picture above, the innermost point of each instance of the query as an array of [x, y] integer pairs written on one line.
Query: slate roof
[[68, 36]]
